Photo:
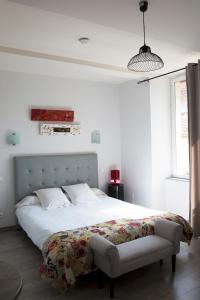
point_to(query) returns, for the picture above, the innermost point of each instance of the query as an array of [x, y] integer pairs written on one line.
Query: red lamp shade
[[115, 176]]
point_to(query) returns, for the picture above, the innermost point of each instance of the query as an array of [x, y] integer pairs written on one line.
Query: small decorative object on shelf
[[116, 191], [115, 176]]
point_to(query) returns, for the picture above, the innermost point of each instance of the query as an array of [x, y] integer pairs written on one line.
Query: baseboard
[[8, 228]]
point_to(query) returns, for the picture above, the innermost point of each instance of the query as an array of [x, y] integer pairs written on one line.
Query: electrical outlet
[[1, 215]]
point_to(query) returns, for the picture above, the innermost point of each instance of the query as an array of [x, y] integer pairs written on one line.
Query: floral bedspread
[[66, 254]]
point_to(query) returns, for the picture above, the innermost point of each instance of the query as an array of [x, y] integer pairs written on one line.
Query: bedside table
[[116, 191]]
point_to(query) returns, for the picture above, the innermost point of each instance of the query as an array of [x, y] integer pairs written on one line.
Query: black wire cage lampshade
[[146, 60]]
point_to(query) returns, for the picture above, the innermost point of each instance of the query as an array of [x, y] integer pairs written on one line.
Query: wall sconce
[[95, 137], [12, 138]]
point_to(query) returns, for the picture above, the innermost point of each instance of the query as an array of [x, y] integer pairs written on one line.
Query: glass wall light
[[12, 138]]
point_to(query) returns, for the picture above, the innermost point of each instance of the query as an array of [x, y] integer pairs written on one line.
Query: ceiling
[[171, 21], [42, 36]]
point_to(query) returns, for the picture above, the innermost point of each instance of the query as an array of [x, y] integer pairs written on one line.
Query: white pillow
[[80, 193], [98, 192], [28, 200], [52, 198]]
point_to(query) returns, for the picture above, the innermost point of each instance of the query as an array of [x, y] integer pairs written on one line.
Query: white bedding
[[39, 224]]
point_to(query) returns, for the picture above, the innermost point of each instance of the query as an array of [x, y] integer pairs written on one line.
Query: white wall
[[136, 142], [167, 194], [146, 147], [96, 106], [160, 138], [135, 118]]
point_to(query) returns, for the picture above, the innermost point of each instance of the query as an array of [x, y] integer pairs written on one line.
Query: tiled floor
[[150, 283]]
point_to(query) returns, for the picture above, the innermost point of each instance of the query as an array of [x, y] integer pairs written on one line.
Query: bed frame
[[43, 171]]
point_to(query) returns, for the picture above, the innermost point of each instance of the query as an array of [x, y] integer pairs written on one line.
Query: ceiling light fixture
[[145, 61], [84, 40]]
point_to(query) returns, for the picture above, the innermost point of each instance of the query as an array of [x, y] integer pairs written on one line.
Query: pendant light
[[145, 61]]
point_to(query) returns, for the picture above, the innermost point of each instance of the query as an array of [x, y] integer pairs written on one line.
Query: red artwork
[[52, 115]]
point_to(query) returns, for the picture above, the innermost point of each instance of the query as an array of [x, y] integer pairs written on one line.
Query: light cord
[[144, 29]]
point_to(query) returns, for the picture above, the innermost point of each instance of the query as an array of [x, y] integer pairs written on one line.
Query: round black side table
[[10, 282]]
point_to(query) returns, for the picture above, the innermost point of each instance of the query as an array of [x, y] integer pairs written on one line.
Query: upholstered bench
[[115, 260]]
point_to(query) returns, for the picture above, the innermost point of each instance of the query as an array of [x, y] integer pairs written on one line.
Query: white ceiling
[[45, 34], [171, 21]]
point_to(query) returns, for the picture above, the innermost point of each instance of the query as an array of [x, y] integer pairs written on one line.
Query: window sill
[[178, 179]]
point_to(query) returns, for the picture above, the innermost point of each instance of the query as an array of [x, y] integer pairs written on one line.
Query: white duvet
[[39, 223]]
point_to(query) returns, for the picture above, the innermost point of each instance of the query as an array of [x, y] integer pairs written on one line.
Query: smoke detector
[[84, 40]]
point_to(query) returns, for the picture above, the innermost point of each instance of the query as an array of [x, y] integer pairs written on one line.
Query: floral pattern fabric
[[66, 254]]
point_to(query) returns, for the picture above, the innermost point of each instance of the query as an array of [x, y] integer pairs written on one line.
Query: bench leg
[[173, 263], [161, 262], [111, 288]]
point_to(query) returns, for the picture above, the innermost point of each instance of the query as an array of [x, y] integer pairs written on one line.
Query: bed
[[63, 234], [39, 224]]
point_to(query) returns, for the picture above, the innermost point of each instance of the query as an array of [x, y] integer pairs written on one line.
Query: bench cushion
[[143, 251]]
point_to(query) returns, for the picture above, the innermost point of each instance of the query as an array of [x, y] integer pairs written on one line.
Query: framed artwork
[[60, 129], [52, 115]]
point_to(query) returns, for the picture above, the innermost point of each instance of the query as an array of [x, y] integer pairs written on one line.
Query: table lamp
[[115, 176]]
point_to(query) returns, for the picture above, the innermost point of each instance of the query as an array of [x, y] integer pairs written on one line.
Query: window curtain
[[193, 90]]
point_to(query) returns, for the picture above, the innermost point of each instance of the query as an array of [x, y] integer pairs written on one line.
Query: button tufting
[[55, 169], [66, 169], [43, 183]]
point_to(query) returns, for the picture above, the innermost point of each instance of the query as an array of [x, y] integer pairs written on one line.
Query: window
[[180, 146]]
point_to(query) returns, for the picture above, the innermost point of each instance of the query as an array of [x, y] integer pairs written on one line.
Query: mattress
[[40, 224]]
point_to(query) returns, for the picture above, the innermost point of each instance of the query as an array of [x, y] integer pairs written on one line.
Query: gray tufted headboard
[[42, 171]]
